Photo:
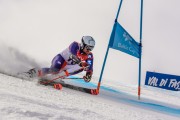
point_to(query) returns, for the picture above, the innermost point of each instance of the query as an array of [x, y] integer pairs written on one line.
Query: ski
[[81, 89], [57, 85]]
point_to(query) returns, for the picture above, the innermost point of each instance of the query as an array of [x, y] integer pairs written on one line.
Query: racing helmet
[[87, 42]]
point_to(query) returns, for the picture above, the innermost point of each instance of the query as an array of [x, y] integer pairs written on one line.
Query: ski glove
[[75, 59], [83, 64], [87, 77]]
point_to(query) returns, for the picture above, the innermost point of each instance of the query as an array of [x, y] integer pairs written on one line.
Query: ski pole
[[46, 82], [72, 78], [62, 77]]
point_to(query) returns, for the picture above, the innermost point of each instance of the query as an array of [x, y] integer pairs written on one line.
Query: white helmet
[[87, 42]]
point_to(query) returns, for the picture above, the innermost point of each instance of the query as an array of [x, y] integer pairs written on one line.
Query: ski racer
[[72, 60]]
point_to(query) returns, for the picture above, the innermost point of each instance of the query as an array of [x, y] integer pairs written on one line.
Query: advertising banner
[[165, 81]]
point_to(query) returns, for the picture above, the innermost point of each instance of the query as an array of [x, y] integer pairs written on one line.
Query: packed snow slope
[[27, 100]]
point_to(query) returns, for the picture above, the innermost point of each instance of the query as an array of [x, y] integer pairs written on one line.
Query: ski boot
[[32, 73]]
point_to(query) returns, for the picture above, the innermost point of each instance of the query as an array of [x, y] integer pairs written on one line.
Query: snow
[[21, 99], [33, 32]]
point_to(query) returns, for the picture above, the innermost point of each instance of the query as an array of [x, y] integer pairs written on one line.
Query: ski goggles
[[90, 48]]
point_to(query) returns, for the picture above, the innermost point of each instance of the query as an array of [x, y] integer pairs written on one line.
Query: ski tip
[[94, 91], [58, 86]]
